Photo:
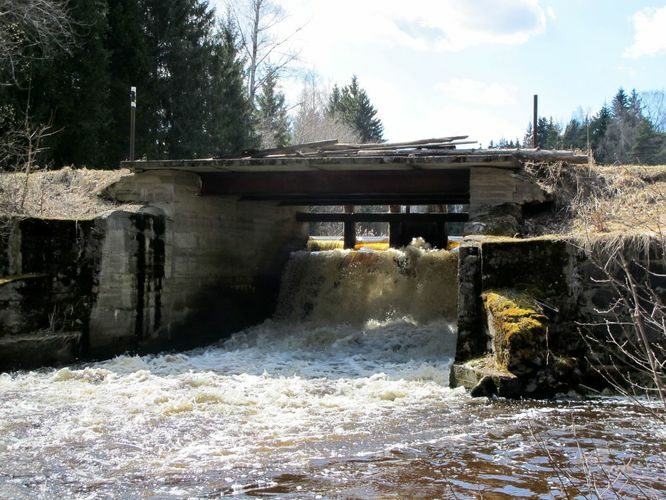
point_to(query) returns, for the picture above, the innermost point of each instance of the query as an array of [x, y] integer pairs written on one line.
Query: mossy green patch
[[518, 330]]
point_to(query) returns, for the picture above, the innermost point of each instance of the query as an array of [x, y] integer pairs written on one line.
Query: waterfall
[[354, 287]]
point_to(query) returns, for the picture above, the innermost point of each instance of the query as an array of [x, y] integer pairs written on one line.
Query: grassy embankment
[[58, 194], [625, 199]]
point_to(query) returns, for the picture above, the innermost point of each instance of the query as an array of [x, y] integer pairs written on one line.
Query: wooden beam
[[344, 188], [387, 199], [381, 217]]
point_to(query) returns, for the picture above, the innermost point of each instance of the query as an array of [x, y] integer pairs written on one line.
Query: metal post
[[349, 229], [395, 228], [132, 121], [535, 135]]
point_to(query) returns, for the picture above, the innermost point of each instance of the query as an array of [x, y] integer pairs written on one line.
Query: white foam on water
[[362, 344]]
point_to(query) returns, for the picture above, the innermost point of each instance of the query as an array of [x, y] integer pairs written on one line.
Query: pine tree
[[272, 114], [71, 91], [180, 33], [649, 146], [352, 106], [598, 129], [548, 133], [228, 115], [620, 104], [131, 64], [574, 136], [617, 144]]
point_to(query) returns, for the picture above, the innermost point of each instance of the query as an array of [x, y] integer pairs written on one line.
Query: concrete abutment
[[175, 270]]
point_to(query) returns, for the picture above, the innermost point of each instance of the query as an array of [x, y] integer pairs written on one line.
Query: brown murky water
[[314, 406]]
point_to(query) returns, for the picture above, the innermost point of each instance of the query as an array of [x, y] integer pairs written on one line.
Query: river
[[344, 394]]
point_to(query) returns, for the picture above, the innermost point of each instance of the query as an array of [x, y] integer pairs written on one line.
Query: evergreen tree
[[575, 135], [618, 141], [548, 133], [272, 114], [180, 33], [131, 63], [352, 106], [70, 92], [599, 126], [620, 104], [649, 146], [228, 115]]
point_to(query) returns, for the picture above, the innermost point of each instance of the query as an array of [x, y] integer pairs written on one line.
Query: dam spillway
[[327, 398]]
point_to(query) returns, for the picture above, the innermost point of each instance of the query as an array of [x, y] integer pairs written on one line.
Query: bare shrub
[[627, 338], [31, 29], [312, 121]]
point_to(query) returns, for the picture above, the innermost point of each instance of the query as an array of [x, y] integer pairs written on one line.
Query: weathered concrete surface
[[182, 270], [491, 187], [569, 286], [472, 340], [47, 276], [212, 264]]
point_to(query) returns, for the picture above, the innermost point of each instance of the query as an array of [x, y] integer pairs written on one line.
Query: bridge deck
[[419, 173]]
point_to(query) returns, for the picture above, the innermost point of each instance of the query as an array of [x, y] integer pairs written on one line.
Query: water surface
[[331, 400]]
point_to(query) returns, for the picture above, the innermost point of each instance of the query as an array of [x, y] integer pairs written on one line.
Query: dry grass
[[626, 199], [60, 194]]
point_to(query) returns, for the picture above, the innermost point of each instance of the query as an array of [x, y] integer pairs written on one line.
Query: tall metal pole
[[132, 121], [535, 135]]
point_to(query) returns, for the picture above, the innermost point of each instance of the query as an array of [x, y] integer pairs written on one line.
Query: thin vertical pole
[[535, 134], [349, 229], [132, 121]]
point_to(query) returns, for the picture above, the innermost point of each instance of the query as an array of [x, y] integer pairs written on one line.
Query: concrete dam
[[198, 249], [200, 350]]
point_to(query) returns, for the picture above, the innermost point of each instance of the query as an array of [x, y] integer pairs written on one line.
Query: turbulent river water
[[344, 394]]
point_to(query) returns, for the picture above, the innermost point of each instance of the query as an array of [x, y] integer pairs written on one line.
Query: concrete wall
[[571, 286], [48, 270], [498, 186], [212, 264], [173, 270]]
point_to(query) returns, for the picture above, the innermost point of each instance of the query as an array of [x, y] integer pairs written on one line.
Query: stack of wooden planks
[[443, 146]]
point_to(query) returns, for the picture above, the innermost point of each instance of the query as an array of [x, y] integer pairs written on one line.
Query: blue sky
[[440, 67]]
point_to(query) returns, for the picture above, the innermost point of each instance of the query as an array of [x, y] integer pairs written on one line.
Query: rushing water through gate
[[343, 394]]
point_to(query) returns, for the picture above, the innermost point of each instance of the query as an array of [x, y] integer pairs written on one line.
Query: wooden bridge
[[427, 172]]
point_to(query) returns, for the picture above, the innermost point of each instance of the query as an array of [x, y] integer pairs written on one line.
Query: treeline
[[191, 71], [629, 130], [183, 60]]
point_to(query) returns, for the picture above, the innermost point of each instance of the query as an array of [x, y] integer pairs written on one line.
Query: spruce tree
[[272, 114], [228, 117], [352, 106], [70, 92], [180, 33], [131, 63]]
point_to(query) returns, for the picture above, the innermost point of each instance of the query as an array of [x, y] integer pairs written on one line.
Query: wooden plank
[[408, 143], [289, 149], [384, 199]]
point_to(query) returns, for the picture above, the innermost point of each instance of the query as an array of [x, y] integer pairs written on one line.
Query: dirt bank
[[57, 194]]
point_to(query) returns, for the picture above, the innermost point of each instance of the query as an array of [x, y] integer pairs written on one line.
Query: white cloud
[[649, 33], [551, 13], [442, 25]]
